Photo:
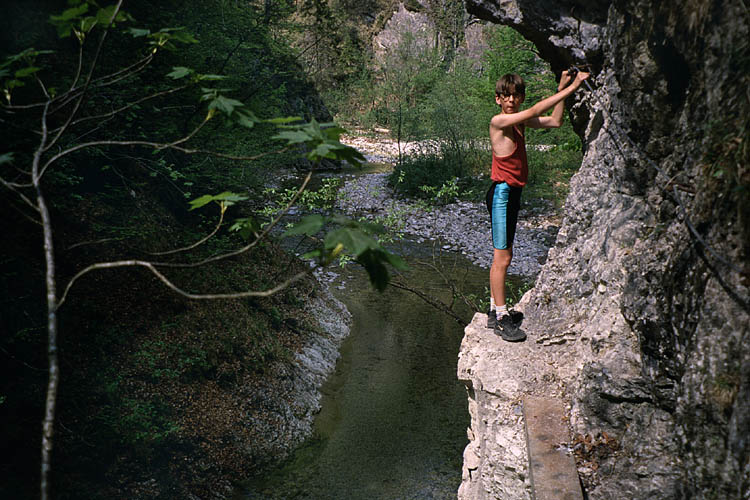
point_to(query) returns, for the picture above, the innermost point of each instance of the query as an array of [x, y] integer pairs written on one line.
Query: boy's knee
[[502, 259]]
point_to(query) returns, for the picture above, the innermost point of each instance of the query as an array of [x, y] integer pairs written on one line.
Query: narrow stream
[[394, 416]]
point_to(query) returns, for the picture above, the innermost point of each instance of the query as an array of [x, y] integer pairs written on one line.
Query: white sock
[[493, 307], [502, 311]]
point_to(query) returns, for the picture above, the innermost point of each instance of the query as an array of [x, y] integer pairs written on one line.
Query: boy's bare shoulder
[[501, 126], [497, 121]]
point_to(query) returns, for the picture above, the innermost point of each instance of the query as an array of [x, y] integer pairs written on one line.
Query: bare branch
[[92, 130], [199, 242], [80, 67], [190, 135], [41, 84], [95, 242], [196, 296], [11, 123], [159, 145], [48, 423], [100, 82], [78, 103], [125, 107], [140, 66], [247, 247], [437, 304], [127, 71], [21, 361], [24, 214], [12, 107], [152, 265], [14, 187]]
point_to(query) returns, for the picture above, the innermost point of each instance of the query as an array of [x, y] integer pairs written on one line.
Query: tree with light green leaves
[[66, 112]]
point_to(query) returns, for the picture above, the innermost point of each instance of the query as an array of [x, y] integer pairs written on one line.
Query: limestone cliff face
[[644, 326], [416, 18]]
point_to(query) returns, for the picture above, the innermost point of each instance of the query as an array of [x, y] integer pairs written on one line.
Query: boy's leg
[[504, 213], [499, 270], [497, 203]]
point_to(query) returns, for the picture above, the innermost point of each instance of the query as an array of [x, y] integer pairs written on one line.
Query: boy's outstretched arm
[[533, 113], [555, 120]]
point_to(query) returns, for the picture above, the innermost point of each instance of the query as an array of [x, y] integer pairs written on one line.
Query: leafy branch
[[60, 115]]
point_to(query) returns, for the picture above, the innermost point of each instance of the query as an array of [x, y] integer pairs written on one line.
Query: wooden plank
[[552, 469]]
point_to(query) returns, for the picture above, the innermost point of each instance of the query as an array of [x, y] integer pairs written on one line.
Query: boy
[[509, 174]]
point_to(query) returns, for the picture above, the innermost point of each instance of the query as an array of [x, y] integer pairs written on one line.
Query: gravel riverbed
[[462, 226]]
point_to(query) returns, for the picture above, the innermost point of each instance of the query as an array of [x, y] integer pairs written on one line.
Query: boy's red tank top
[[513, 168]]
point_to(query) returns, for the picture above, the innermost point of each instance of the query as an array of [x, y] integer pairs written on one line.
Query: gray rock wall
[[649, 326]]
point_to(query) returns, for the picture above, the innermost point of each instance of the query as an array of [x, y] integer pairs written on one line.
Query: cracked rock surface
[[649, 325]]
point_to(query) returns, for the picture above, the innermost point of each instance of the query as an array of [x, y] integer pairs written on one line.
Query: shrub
[[550, 172]]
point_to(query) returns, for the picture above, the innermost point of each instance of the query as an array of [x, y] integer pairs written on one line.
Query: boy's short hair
[[510, 83]]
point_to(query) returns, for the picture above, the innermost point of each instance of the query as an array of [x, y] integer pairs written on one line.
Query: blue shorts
[[503, 203]]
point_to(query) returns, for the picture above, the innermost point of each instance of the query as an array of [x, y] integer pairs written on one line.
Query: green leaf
[[351, 155], [211, 77], [184, 37], [332, 131], [323, 150], [293, 136], [138, 32], [230, 197], [104, 15], [11, 84], [70, 14], [123, 16], [88, 23], [26, 71], [312, 254], [353, 239], [64, 30], [246, 227], [372, 261], [336, 151], [309, 225], [225, 104], [165, 35], [246, 118], [6, 158], [284, 120], [395, 260], [202, 201], [179, 72], [364, 225], [25, 55]]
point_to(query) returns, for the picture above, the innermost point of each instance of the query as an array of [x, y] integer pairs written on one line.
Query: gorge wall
[[639, 319]]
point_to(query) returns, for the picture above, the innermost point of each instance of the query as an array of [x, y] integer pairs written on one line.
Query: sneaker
[[516, 317], [509, 330], [491, 319]]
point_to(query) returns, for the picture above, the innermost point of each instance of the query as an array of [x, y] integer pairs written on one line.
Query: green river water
[[394, 417]]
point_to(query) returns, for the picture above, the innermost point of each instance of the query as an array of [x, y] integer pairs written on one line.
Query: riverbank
[[462, 226], [230, 426]]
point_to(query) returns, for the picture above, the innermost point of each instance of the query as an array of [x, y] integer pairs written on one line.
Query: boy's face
[[510, 102]]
